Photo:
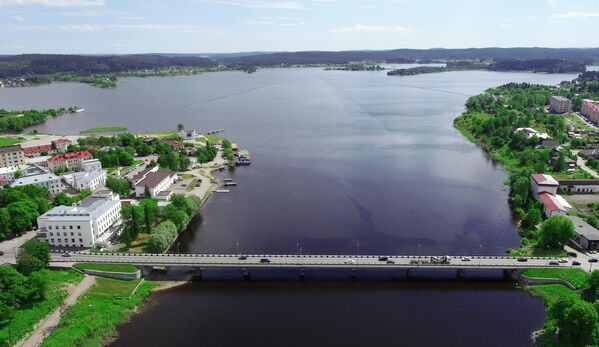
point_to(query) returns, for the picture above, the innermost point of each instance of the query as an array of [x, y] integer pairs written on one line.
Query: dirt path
[[51, 321]]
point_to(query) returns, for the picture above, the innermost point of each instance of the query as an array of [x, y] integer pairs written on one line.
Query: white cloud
[[80, 27], [19, 18], [576, 15], [281, 5], [187, 29], [360, 28], [56, 3], [552, 3]]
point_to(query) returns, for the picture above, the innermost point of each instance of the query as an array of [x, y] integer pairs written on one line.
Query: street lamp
[[358, 254], [297, 251], [237, 248]]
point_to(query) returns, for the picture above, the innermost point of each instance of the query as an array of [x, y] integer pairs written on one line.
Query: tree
[[560, 164], [118, 185], [34, 256], [593, 285], [161, 237], [532, 218], [147, 193], [180, 127], [150, 208], [576, 318], [133, 219], [176, 215], [23, 215], [556, 232], [5, 223]]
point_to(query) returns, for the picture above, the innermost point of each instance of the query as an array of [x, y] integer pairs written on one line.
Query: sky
[[202, 26]]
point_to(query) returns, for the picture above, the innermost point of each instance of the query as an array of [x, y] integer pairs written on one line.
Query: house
[[541, 183], [36, 151], [39, 161], [157, 182], [45, 179], [589, 153], [91, 222], [11, 156], [590, 109], [70, 161], [175, 145], [554, 204], [61, 145], [191, 134], [552, 144], [7, 173], [92, 177], [530, 132], [560, 104], [580, 186], [570, 163], [585, 235]]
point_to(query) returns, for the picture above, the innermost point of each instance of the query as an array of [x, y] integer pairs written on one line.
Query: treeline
[[539, 65], [46, 64], [417, 70], [16, 121]]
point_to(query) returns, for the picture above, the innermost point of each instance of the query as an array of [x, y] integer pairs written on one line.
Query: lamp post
[[297, 250], [358, 254], [237, 248]]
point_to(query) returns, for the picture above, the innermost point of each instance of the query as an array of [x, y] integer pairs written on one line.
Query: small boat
[[221, 190], [78, 110], [230, 184], [227, 179]]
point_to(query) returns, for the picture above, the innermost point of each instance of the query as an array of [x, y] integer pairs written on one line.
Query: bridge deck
[[308, 261]]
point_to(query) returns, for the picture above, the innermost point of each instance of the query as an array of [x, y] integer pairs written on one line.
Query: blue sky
[[195, 26]]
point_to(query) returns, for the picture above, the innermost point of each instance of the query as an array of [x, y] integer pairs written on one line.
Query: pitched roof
[[583, 228], [72, 155], [552, 203], [544, 180], [37, 149], [11, 148], [154, 178]]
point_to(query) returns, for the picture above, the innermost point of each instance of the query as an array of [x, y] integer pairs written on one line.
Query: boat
[[230, 184], [221, 190], [227, 179], [79, 110]]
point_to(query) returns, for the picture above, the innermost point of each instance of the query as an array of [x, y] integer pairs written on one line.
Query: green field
[[26, 319], [576, 277], [103, 130], [7, 141], [550, 293], [125, 268], [95, 316]]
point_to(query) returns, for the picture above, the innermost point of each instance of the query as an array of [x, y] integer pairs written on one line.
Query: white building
[[91, 222], [541, 183], [45, 179], [530, 132], [580, 186], [157, 182], [590, 109], [585, 235], [554, 205], [7, 173], [92, 165], [191, 134], [88, 180], [39, 161], [560, 104]]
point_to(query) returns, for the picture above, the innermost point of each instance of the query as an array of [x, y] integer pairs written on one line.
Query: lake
[[338, 159]]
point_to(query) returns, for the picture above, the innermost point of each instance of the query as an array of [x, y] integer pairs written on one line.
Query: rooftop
[[89, 208], [33, 179], [544, 180], [154, 178], [560, 98], [72, 155], [585, 229], [552, 203], [11, 148], [580, 182], [37, 149], [592, 104]]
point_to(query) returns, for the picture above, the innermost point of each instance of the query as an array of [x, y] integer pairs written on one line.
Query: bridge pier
[[409, 273], [146, 270], [352, 274], [461, 273], [246, 274], [302, 275]]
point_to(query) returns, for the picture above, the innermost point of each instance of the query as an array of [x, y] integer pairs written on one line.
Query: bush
[[162, 236]]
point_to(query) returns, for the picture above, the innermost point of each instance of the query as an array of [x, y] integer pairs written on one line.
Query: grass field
[[576, 277], [97, 313], [137, 246], [7, 141], [550, 293], [26, 319], [103, 130], [125, 268]]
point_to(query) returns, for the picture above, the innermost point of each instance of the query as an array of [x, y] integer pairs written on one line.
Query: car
[[67, 254], [390, 262], [522, 259], [575, 263], [243, 257], [264, 261], [413, 261], [383, 258], [349, 261], [466, 258], [563, 261], [1, 253], [573, 254], [593, 260], [553, 263]]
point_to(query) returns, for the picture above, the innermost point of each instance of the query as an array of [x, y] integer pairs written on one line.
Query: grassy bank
[[26, 319], [103, 311], [103, 130], [124, 268], [576, 277], [7, 141]]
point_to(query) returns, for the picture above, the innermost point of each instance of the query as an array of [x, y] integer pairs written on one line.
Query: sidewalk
[[10, 247]]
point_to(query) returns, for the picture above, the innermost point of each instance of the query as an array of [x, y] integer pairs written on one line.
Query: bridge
[[291, 261]]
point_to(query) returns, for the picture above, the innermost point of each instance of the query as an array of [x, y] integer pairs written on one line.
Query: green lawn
[[7, 141], [103, 130], [97, 313], [137, 246], [576, 277], [125, 268], [25, 319], [529, 250]]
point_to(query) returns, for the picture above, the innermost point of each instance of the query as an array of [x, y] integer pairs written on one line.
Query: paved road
[[582, 164], [11, 247], [308, 261]]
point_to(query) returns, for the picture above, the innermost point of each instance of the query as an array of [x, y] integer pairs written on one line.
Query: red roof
[[72, 155], [548, 200], [37, 149], [593, 105], [544, 180]]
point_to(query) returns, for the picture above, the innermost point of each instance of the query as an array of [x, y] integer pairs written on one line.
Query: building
[[589, 153], [586, 236], [541, 183], [11, 156], [570, 163], [551, 144], [45, 179], [61, 145], [157, 182], [554, 205], [94, 221], [191, 134], [530, 132], [560, 104], [69, 161], [582, 186], [7, 173], [92, 177], [590, 109], [36, 151], [91, 165], [39, 161], [175, 145]]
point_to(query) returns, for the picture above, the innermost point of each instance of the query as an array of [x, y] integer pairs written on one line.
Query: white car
[[466, 258], [349, 261], [562, 260]]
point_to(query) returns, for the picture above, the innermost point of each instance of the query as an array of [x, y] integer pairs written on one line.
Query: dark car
[[264, 260], [1, 253], [575, 263], [553, 263], [522, 259], [390, 262], [243, 257], [573, 254], [593, 260], [383, 258], [413, 261]]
